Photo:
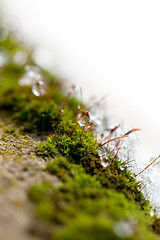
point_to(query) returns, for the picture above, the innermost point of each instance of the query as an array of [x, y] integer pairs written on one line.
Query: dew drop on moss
[[39, 88], [34, 77]]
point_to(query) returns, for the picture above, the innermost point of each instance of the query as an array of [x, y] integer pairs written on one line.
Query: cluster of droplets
[[95, 120], [92, 123], [128, 146], [34, 77], [150, 179], [128, 150], [20, 57], [83, 119]]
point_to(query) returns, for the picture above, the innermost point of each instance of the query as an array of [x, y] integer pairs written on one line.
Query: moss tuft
[[73, 206], [46, 149]]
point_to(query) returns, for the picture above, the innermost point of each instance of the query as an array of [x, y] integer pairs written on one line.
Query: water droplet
[[104, 160], [103, 156], [83, 119], [88, 127], [122, 168], [104, 164], [25, 80], [34, 73], [34, 77], [39, 88], [29, 77], [100, 151]]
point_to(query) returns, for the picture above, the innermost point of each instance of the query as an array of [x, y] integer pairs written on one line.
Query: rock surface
[[19, 169]]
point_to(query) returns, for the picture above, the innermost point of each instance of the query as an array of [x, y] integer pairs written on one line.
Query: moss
[[1, 125], [46, 149], [58, 167], [85, 228], [11, 130], [83, 151], [74, 205], [44, 210], [25, 168], [39, 193], [92, 200]]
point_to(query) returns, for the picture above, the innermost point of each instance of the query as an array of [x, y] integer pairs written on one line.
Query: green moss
[[74, 205], [59, 166], [12, 131], [44, 210], [40, 193], [86, 227], [82, 150], [1, 125], [46, 149]]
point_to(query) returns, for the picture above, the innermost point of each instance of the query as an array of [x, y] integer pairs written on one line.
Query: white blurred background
[[105, 47]]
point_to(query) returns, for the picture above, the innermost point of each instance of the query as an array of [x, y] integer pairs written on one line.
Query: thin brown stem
[[148, 165], [101, 145]]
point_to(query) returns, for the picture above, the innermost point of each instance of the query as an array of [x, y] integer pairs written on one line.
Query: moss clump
[[82, 207], [40, 193], [85, 228], [36, 114], [26, 109], [59, 167], [82, 150], [46, 149]]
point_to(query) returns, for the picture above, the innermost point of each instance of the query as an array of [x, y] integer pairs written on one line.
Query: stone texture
[[19, 169]]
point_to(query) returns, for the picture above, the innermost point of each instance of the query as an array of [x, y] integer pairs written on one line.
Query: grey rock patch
[[20, 168]]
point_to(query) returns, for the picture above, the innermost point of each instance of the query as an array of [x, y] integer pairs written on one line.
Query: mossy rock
[[89, 201]]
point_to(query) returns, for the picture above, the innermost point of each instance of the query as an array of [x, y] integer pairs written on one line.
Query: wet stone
[[20, 168]]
